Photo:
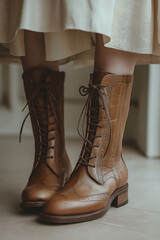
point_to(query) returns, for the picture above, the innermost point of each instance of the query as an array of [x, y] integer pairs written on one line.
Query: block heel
[[122, 198]]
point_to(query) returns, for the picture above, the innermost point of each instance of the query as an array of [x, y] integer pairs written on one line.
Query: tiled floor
[[139, 219]]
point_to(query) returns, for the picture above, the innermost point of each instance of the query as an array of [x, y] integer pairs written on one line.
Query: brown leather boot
[[99, 179], [45, 98]]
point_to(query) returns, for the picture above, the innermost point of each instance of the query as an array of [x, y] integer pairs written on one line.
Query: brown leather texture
[[45, 98], [100, 170]]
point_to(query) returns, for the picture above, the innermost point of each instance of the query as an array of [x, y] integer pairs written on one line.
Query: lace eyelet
[[97, 146]]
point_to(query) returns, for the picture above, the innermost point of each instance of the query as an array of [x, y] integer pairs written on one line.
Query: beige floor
[[139, 219]]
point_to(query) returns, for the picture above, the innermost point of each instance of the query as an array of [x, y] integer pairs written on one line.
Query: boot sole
[[32, 204], [118, 198]]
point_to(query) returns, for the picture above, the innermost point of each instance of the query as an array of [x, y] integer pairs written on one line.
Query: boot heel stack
[[121, 199]]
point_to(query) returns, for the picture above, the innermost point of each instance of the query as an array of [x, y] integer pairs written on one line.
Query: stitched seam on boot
[[100, 162], [98, 196], [120, 166]]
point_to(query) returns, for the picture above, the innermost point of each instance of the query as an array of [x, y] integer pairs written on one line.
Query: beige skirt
[[69, 27]]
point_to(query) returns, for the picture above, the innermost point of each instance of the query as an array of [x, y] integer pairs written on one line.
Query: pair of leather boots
[[100, 176]]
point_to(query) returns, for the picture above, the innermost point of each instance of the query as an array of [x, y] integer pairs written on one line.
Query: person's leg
[[35, 52], [112, 60], [44, 88]]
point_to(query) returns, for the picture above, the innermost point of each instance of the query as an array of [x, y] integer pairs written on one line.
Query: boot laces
[[42, 113], [90, 111]]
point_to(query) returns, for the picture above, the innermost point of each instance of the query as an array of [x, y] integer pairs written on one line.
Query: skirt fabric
[[69, 27]]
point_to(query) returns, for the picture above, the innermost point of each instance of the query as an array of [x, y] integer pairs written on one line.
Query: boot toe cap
[[32, 194], [60, 206]]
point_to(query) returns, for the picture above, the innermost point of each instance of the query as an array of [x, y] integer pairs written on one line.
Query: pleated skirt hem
[[69, 28]]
